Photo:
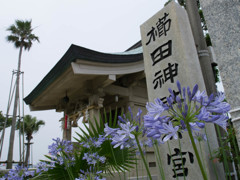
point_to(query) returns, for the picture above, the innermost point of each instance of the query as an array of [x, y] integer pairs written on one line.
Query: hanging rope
[[83, 112]]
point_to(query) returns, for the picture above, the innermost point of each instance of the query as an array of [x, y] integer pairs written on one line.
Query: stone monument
[[170, 55], [222, 18]]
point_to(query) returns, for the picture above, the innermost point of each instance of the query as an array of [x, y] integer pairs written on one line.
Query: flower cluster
[[190, 109], [95, 162], [93, 142], [90, 174], [41, 167], [60, 146], [199, 137], [19, 173], [62, 152], [124, 135], [93, 158]]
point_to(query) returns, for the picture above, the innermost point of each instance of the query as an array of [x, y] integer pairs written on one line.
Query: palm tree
[[31, 126], [22, 37], [5, 122], [2, 121]]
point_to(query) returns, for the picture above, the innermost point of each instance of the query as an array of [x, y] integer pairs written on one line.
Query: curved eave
[[73, 54]]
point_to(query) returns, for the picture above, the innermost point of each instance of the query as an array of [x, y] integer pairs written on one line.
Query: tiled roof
[[77, 52]]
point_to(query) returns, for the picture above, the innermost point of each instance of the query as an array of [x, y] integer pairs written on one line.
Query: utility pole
[[15, 107]]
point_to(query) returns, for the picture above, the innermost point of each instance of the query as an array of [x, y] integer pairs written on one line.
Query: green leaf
[[114, 162]]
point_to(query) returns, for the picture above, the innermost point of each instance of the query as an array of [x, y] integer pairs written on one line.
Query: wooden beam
[[102, 82], [41, 108], [116, 90], [132, 79]]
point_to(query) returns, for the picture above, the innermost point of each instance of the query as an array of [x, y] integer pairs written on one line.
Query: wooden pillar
[[67, 127], [95, 104]]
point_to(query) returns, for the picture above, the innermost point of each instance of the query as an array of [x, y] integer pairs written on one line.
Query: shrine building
[[85, 82]]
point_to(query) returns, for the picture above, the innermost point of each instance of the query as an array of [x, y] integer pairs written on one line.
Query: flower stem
[[200, 146], [211, 156], [180, 147], [223, 152], [124, 173], [159, 161], [196, 152], [169, 149], [136, 167], [115, 160], [71, 177], [142, 155]]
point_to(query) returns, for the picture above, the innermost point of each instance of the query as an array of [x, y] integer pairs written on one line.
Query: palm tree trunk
[[27, 153], [12, 134]]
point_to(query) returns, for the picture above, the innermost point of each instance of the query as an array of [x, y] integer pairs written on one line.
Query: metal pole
[[19, 121], [23, 115]]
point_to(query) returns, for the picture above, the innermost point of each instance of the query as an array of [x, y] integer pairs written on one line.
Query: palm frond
[[31, 125], [117, 160], [21, 34]]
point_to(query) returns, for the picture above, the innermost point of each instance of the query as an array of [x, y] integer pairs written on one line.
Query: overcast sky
[[102, 25]]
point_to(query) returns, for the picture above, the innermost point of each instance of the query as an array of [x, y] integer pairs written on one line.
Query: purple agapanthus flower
[[156, 109], [199, 136], [109, 131], [148, 142], [203, 114], [29, 173], [220, 120], [99, 141], [169, 131], [191, 109], [117, 141], [60, 146], [128, 129], [93, 142], [18, 173], [121, 136], [41, 167], [93, 158], [61, 152], [194, 126], [90, 174]]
